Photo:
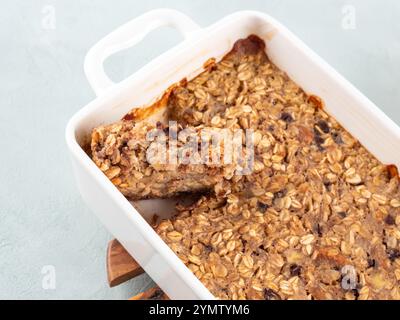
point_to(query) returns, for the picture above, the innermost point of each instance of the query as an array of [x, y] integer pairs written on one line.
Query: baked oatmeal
[[145, 162], [318, 217]]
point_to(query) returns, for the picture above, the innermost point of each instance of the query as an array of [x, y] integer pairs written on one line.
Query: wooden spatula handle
[[121, 266], [151, 294]]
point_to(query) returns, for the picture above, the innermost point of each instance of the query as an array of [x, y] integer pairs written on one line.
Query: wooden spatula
[[151, 294], [122, 267]]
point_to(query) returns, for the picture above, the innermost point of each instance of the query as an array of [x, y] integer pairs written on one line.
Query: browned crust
[[139, 114], [210, 64], [332, 255], [248, 46], [316, 101], [393, 171]]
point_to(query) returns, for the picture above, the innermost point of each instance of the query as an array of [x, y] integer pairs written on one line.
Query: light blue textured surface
[[42, 218]]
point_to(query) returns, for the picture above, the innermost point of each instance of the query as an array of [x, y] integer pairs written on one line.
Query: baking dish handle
[[128, 35]]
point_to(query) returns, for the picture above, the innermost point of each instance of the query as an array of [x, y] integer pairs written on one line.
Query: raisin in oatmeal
[[317, 200]]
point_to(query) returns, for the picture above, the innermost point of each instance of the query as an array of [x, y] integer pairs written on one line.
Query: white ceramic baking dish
[[352, 109]]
